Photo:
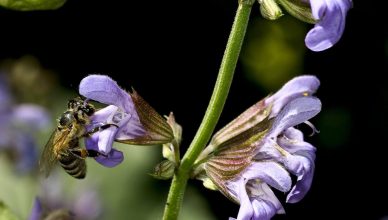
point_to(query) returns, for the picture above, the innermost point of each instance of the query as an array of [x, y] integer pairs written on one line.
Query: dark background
[[170, 52]]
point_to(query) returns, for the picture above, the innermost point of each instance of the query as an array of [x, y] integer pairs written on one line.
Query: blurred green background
[[170, 53]]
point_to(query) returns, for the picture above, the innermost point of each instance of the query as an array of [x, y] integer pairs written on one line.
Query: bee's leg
[[79, 152], [83, 153], [98, 128], [94, 153]]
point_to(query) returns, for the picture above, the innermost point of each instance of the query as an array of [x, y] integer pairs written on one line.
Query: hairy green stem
[[213, 112]]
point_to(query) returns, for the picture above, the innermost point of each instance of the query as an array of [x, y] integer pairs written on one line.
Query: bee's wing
[[48, 158]]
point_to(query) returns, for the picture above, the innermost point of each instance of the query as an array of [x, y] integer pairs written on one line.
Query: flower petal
[[113, 159], [31, 116], [269, 172], [331, 15], [292, 141], [102, 141], [297, 87], [105, 139], [263, 210], [300, 164], [105, 90], [302, 185], [246, 209], [103, 116], [295, 112], [36, 211], [264, 202]]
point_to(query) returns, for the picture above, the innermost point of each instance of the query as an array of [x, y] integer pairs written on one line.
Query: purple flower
[[36, 211], [266, 151], [331, 16], [130, 118], [54, 203], [18, 123]]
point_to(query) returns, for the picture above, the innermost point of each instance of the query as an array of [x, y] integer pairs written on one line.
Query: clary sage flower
[[328, 16], [129, 119], [331, 16], [261, 148]]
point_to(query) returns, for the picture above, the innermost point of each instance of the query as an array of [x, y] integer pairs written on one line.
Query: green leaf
[[31, 5], [5, 213]]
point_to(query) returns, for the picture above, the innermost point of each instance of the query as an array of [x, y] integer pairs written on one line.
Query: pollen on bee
[[84, 153]]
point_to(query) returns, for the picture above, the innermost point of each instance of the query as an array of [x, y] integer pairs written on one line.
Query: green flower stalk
[[213, 112]]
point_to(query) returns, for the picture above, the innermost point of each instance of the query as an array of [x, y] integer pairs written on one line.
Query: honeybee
[[63, 145]]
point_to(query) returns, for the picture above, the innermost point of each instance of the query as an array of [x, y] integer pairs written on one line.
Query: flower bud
[[164, 170], [299, 9], [270, 9]]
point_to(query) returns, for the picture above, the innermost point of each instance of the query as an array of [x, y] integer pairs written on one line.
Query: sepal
[[164, 170], [299, 9], [158, 131], [270, 9]]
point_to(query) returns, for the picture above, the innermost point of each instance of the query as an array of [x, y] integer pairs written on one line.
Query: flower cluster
[[84, 204], [131, 119], [261, 148], [18, 123]]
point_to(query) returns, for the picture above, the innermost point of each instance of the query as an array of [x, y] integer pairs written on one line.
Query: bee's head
[[81, 104], [75, 103], [88, 109]]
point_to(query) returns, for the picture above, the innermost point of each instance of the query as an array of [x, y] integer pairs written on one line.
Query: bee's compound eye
[[66, 119], [88, 110], [70, 104]]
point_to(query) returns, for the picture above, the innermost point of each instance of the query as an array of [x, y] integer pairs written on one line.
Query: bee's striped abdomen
[[74, 166]]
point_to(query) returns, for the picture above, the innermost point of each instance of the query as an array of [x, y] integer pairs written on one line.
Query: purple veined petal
[[129, 126], [297, 87], [269, 172], [264, 202], [132, 129], [302, 185], [106, 139], [295, 112], [246, 209], [36, 211], [331, 15], [31, 116], [293, 134], [103, 115], [91, 143], [105, 90], [114, 158], [292, 141], [318, 8], [301, 163], [263, 210]]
